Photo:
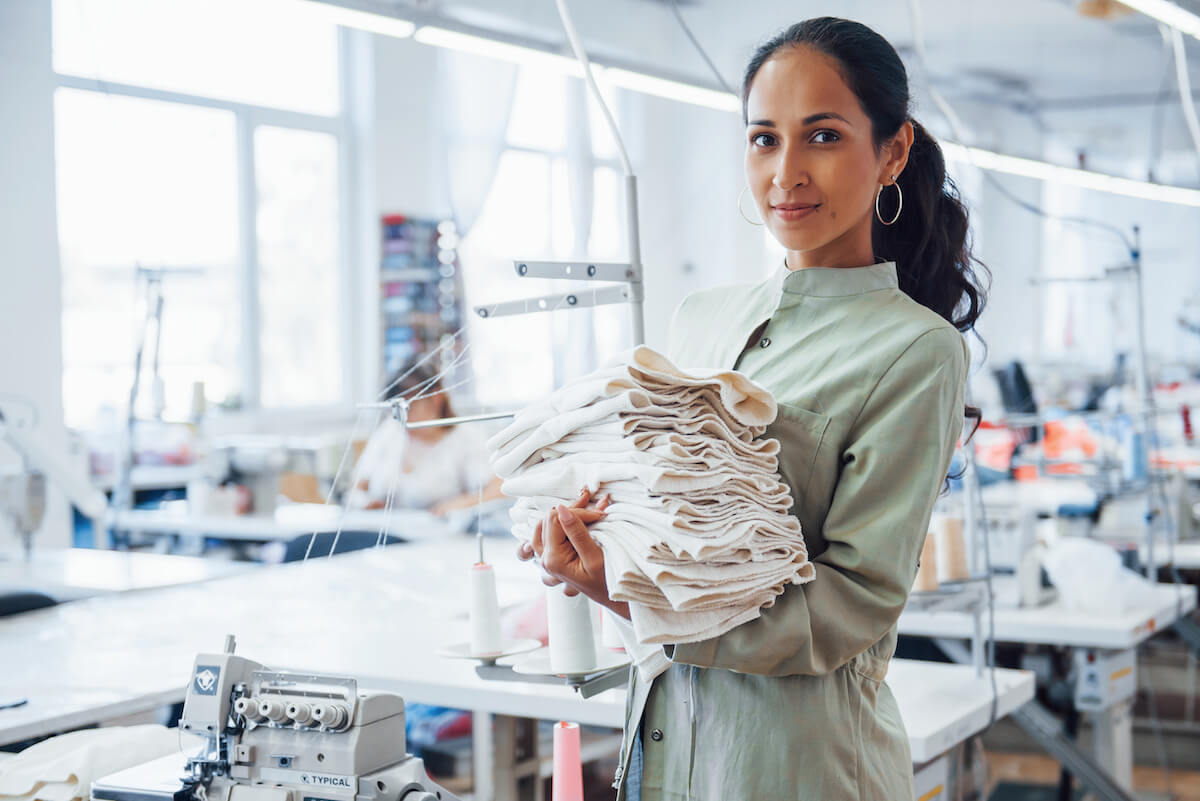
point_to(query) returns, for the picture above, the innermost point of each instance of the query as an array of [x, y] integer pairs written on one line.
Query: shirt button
[[764, 342], [656, 735]]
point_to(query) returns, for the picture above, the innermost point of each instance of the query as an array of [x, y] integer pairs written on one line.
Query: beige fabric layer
[[698, 538]]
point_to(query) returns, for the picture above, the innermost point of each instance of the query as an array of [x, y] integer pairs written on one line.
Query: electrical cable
[[1164, 93], [581, 54], [696, 43], [1184, 82], [958, 136]]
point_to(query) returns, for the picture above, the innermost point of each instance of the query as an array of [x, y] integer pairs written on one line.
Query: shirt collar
[[834, 282]]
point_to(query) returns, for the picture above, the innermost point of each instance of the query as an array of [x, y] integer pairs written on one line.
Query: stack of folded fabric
[[698, 538]]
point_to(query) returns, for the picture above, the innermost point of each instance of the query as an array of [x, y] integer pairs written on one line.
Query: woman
[[858, 336], [440, 469]]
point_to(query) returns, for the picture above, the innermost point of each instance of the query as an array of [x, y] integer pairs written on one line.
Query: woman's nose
[[789, 172]]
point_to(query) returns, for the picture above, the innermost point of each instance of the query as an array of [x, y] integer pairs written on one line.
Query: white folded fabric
[[63, 767], [698, 537]]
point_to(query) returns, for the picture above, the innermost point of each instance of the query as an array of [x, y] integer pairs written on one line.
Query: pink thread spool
[[567, 784]]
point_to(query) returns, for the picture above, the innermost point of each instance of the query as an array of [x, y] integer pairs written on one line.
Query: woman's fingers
[[524, 551], [536, 542], [557, 553], [589, 516], [577, 534]]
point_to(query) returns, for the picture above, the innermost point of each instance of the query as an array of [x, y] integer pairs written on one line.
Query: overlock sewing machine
[[281, 736]]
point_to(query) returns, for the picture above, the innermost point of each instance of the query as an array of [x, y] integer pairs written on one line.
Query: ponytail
[[929, 240]]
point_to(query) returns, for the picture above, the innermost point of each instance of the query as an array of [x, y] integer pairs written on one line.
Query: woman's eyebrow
[[809, 120]]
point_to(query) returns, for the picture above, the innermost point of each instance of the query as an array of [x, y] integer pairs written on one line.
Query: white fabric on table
[[62, 768]]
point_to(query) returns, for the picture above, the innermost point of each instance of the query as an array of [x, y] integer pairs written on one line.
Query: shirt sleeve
[[894, 466], [380, 454]]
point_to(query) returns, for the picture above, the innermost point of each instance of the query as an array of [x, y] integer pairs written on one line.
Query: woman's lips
[[793, 212]]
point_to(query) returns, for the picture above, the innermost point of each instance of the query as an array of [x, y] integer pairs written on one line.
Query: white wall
[[689, 166], [1007, 238], [30, 283]]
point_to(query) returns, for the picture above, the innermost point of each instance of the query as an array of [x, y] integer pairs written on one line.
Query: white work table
[[408, 524], [1185, 555], [1054, 624], [1042, 495], [67, 574], [378, 615]]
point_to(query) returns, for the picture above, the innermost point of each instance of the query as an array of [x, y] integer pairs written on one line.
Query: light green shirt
[[870, 391]]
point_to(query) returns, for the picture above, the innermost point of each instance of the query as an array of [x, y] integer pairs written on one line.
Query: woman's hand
[[525, 550]]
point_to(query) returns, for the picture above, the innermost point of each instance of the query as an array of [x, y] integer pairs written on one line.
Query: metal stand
[[1041, 724], [1189, 631], [969, 596], [587, 686]]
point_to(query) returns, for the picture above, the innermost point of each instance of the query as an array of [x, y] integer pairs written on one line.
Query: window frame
[[247, 118]]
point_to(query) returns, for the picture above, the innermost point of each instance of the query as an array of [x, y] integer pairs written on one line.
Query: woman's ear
[[896, 152]]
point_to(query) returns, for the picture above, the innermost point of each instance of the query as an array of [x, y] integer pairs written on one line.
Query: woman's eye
[[762, 140], [829, 137]]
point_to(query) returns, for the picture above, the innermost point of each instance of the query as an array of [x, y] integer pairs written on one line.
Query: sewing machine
[[1017, 576], [23, 484], [276, 736]]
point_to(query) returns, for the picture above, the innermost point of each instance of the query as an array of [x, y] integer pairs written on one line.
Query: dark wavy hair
[[929, 241]]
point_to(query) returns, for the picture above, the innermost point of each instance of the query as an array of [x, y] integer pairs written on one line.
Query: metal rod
[[635, 258], [444, 421], [1146, 398], [577, 270]]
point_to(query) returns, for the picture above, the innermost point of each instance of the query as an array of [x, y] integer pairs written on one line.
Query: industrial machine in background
[[23, 488], [280, 736]]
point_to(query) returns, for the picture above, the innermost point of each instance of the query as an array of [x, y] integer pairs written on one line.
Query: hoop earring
[[899, 197], [739, 205]]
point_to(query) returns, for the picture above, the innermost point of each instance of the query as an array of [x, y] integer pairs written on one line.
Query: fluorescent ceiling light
[[1168, 14], [672, 90], [371, 21], [491, 48], [636, 81], [1086, 179]]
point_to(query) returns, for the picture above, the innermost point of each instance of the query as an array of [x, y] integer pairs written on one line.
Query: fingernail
[[565, 515]]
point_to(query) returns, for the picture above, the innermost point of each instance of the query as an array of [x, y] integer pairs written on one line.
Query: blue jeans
[[633, 776]]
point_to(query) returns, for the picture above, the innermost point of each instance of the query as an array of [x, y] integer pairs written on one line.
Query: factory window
[[220, 166], [297, 183], [150, 184], [555, 199]]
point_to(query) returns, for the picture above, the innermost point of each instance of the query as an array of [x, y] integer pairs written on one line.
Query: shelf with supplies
[[420, 289]]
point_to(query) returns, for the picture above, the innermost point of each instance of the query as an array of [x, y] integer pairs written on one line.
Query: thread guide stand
[[627, 277], [586, 685]]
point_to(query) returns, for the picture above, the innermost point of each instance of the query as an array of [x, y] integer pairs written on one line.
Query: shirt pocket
[[801, 433]]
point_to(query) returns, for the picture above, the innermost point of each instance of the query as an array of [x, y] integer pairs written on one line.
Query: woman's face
[[424, 409], [811, 160]]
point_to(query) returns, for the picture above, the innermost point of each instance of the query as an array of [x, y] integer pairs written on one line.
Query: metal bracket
[[1189, 632], [580, 271], [572, 300], [1041, 724], [587, 686]]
